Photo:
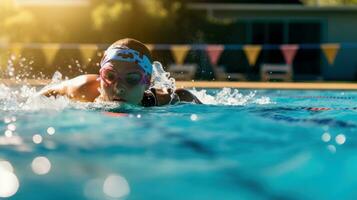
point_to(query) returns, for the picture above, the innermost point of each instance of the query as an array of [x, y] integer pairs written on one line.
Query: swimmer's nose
[[119, 90]]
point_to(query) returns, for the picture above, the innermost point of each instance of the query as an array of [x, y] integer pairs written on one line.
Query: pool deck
[[270, 85], [241, 85]]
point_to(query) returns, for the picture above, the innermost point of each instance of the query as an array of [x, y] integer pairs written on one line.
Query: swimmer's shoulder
[[84, 87], [187, 96], [159, 97]]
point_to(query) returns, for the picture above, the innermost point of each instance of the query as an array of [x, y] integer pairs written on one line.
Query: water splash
[[228, 96], [160, 79], [19, 69], [27, 98]]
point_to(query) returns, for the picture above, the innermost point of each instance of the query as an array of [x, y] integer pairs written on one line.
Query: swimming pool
[[263, 144]]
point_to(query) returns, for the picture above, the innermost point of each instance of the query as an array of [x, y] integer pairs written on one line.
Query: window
[[268, 33], [307, 61]]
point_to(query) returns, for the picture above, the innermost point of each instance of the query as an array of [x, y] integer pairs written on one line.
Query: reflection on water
[[37, 139], [9, 183], [116, 186], [12, 140], [331, 148], [51, 130], [194, 117], [41, 165], [326, 137], [8, 133], [244, 145], [340, 139]]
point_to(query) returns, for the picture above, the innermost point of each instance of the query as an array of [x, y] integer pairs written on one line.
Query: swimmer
[[124, 76]]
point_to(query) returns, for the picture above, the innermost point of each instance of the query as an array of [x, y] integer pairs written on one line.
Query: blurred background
[[225, 40]]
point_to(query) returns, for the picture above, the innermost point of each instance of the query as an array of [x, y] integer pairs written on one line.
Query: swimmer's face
[[124, 82]]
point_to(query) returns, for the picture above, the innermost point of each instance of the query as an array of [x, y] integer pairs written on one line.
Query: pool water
[[263, 144]]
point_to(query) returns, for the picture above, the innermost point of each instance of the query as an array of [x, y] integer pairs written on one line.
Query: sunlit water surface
[[264, 144]]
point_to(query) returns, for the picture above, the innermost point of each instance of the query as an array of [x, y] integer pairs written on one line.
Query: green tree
[[16, 24], [157, 21], [330, 2]]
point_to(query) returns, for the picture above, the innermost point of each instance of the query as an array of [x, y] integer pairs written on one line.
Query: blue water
[[278, 144]]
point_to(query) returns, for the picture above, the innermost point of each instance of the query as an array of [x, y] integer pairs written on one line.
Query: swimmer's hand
[[53, 90]]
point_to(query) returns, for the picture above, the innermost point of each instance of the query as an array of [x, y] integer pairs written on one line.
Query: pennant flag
[[87, 51], [50, 51], [15, 49], [252, 53], [330, 51], [289, 51], [180, 53], [214, 53]]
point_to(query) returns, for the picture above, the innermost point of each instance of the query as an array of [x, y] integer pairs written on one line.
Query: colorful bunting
[[50, 51], [289, 51], [214, 53], [87, 51], [330, 51], [180, 53], [252, 52]]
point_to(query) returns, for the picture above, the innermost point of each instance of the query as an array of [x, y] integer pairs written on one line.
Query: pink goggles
[[110, 76]]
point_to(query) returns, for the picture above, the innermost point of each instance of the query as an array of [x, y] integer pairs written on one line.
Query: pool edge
[[231, 84]]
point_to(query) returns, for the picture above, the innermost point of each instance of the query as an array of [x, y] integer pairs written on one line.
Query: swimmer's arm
[[81, 88], [55, 90], [183, 95], [187, 96]]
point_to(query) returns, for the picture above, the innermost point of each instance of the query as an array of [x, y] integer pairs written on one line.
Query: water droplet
[[9, 184], [116, 186], [326, 137], [7, 120], [51, 130], [8, 133], [37, 139], [6, 165], [41, 165], [331, 148], [11, 127], [340, 139], [194, 117]]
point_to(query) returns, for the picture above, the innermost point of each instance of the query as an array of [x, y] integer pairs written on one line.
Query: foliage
[[330, 2], [149, 20], [16, 22], [152, 21]]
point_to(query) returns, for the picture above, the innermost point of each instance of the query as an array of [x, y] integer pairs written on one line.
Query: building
[[294, 24]]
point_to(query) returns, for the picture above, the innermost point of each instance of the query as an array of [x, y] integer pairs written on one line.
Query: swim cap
[[125, 54]]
